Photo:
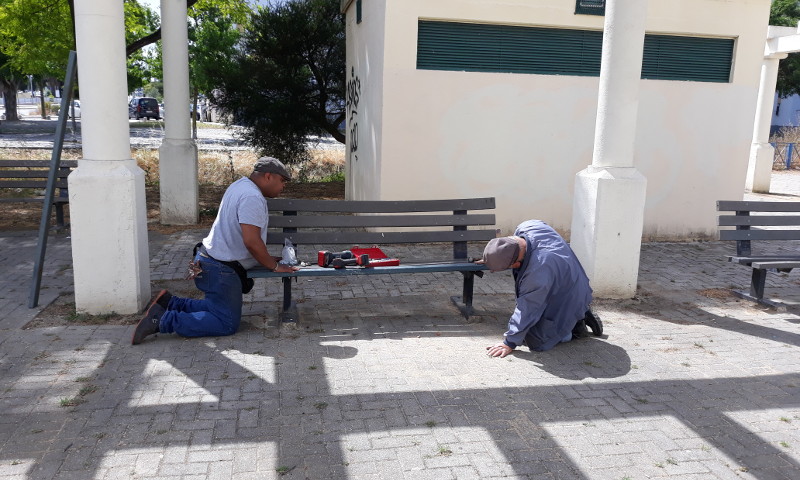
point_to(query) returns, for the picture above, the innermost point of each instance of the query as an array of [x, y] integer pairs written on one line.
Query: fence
[[787, 156]]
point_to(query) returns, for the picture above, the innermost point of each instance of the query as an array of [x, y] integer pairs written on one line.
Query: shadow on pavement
[[329, 404]]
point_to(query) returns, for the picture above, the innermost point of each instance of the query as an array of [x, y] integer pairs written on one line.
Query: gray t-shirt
[[244, 203]]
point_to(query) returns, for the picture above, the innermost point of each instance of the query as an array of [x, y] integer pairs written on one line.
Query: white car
[[77, 108]]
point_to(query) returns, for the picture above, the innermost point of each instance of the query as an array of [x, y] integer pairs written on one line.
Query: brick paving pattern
[[383, 379]]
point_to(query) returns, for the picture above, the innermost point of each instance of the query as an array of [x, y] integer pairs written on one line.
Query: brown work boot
[[161, 298], [149, 324]]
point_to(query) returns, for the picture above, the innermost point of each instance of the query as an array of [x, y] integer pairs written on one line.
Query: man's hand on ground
[[499, 350]]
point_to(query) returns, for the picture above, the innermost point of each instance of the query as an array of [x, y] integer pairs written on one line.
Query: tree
[[35, 38], [787, 13], [214, 32], [288, 80], [9, 82], [140, 23]]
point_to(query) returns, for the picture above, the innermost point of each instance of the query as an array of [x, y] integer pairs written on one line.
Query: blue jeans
[[218, 314]]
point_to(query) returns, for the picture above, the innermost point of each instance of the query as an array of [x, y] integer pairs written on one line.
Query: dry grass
[[787, 135], [222, 168], [716, 293], [215, 168], [322, 178]]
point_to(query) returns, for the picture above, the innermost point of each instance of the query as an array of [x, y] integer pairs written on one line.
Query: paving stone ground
[[383, 379]]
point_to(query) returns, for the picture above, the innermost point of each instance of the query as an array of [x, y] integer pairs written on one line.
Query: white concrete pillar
[[177, 164], [759, 169], [608, 207], [106, 192]]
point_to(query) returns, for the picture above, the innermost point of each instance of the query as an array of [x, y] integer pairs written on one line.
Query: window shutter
[[506, 48], [672, 57], [475, 47]]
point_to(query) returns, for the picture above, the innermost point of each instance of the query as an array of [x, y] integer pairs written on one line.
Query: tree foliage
[[37, 35], [288, 80], [214, 32], [787, 13], [35, 39], [140, 22]]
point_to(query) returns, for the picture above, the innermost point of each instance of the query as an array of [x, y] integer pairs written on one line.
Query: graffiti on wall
[[352, 100]]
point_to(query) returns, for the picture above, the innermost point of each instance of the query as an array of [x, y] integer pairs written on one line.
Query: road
[[38, 133]]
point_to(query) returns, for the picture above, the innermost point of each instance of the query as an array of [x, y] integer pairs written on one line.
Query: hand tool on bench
[[361, 260], [325, 258]]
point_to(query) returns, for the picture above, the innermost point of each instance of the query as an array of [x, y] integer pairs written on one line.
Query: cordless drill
[[360, 260]]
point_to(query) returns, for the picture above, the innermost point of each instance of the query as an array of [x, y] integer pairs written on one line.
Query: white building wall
[[522, 138], [365, 71], [788, 115]]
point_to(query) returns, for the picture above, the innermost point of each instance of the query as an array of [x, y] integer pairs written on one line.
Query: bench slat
[[776, 264], [36, 163], [759, 234], [30, 183], [352, 221], [378, 238], [746, 206], [62, 173], [21, 199], [316, 271], [56, 200], [758, 220], [763, 258], [379, 206]]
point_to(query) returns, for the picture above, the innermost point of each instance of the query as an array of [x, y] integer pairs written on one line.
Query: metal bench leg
[[289, 310], [757, 283], [464, 302], [756, 294], [59, 216]]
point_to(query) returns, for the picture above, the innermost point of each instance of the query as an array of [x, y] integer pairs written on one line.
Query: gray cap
[[500, 253], [271, 165]]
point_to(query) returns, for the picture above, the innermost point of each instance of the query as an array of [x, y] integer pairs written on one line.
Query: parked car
[[76, 107], [144, 107]]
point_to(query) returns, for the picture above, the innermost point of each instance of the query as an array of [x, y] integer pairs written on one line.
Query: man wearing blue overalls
[[552, 290], [236, 242]]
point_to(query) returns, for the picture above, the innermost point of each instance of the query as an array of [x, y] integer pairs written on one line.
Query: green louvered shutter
[[672, 57], [510, 49], [590, 7], [474, 47]]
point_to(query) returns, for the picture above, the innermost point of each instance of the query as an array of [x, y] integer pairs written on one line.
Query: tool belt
[[247, 283]]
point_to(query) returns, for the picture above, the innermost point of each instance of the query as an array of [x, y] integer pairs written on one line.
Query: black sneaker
[[579, 330], [149, 324], [161, 298], [594, 322]]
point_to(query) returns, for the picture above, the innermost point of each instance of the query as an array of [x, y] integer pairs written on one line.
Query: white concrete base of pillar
[[759, 170], [177, 169], [606, 234], [108, 220]]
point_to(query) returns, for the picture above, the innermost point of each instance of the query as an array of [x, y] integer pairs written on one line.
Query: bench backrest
[[33, 173], [772, 221], [365, 223]]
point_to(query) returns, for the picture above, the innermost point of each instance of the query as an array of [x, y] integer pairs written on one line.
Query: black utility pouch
[[247, 283]]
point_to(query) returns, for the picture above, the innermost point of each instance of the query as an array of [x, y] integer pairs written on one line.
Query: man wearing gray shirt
[[236, 242]]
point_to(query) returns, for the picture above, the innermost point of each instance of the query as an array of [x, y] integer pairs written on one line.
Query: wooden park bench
[[773, 221], [26, 179], [329, 223]]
